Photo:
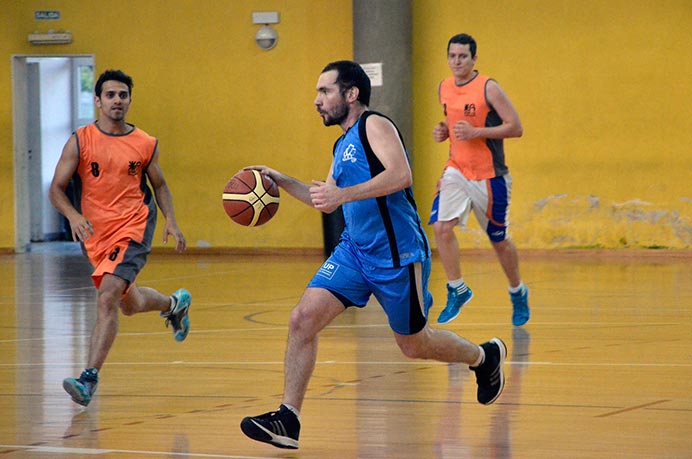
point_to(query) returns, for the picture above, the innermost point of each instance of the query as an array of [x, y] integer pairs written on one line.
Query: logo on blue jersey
[[349, 154], [328, 269]]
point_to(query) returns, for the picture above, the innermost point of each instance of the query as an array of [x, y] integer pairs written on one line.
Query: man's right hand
[[82, 228], [441, 132]]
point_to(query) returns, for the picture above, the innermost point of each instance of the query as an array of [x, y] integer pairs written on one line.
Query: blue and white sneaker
[[177, 316], [456, 298], [520, 304], [82, 389]]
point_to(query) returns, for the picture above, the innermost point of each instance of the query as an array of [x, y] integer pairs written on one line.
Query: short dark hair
[[115, 75], [351, 74], [463, 39]]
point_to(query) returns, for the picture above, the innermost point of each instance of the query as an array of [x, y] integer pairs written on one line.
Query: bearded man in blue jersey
[[383, 251]]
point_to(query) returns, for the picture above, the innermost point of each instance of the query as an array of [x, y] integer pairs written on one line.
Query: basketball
[[250, 199]]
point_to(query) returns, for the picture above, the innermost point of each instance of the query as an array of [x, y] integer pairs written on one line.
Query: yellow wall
[[604, 93], [603, 89], [8, 31], [215, 100]]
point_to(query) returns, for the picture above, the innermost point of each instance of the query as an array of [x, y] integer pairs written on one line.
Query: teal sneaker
[[456, 298], [178, 315], [520, 303], [82, 389]]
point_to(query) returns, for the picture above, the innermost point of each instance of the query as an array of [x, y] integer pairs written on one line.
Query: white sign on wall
[[47, 15], [374, 71]]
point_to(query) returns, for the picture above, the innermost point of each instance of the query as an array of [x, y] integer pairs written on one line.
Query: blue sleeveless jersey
[[386, 232]]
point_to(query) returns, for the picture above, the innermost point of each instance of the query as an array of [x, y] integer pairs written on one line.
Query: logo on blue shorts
[[328, 269]]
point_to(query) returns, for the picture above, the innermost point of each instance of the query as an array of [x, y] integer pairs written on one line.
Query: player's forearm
[[164, 199], [504, 131], [294, 187], [387, 182], [62, 203]]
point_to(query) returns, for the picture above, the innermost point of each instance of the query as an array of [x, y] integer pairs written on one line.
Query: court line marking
[[348, 362], [337, 327], [99, 451], [631, 408]]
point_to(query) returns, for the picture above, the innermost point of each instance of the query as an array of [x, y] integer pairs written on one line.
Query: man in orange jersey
[[478, 116], [114, 216]]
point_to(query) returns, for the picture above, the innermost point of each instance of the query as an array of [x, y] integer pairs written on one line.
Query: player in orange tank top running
[[114, 216], [478, 116]]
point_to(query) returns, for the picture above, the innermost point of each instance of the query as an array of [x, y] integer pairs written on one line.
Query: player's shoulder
[[376, 120], [492, 87], [142, 136], [87, 127], [86, 130], [378, 126], [449, 81], [376, 117], [136, 130]]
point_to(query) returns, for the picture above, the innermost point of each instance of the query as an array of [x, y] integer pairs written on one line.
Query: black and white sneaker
[[279, 428], [490, 376]]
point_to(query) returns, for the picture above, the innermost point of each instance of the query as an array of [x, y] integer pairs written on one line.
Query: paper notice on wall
[[374, 71]]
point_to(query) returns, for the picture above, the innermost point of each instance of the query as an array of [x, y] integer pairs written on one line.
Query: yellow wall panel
[[602, 89], [603, 92], [215, 100]]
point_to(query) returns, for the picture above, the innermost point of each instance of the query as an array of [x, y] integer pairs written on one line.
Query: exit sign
[[47, 15]]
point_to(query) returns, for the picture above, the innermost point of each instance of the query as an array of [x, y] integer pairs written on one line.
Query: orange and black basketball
[[250, 199]]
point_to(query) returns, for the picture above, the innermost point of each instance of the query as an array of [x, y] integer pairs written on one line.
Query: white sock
[[481, 358], [456, 283], [517, 289], [293, 410], [172, 303]]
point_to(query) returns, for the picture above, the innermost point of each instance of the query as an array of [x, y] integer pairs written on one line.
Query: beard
[[337, 116]]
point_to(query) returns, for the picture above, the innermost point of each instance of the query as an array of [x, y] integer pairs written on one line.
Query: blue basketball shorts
[[402, 292]]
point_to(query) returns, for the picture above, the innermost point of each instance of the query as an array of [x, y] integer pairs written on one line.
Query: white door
[[52, 96]]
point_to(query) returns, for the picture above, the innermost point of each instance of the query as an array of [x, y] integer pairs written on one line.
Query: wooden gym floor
[[603, 369]]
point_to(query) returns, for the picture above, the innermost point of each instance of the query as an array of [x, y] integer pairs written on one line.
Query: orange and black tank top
[[111, 186], [477, 159]]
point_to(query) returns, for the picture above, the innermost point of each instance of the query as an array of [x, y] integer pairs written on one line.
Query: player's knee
[[413, 351], [130, 304], [502, 246], [300, 322], [497, 234], [443, 229], [127, 309], [412, 346], [108, 301]]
